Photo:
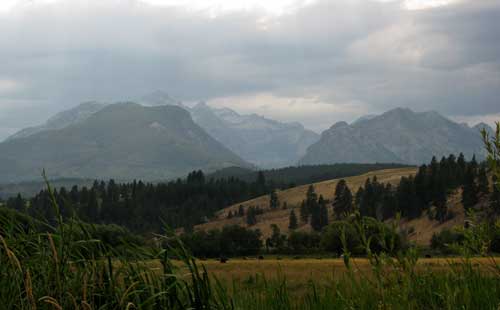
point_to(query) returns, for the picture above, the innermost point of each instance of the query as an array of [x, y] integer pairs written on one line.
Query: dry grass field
[[298, 272], [294, 196]]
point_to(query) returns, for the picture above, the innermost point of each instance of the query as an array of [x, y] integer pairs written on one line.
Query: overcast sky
[[311, 61]]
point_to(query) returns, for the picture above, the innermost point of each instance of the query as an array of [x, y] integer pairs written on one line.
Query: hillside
[[122, 141], [399, 135], [294, 196], [419, 230]]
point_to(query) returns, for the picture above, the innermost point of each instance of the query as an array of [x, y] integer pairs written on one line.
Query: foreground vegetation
[[64, 267]]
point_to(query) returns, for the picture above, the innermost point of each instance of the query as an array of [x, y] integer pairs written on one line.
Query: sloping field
[[293, 198], [423, 228]]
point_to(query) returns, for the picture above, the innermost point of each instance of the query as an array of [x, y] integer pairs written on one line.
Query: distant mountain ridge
[[63, 119], [259, 140], [399, 135], [123, 141]]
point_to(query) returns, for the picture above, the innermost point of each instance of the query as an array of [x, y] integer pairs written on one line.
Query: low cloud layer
[[323, 62]]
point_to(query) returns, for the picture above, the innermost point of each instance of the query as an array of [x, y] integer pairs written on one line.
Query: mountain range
[[161, 138], [399, 136], [263, 142], [259, 140], [123, 141]]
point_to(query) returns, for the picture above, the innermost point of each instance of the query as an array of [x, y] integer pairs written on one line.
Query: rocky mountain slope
[[121, 141], [262, 141], [399, 135], [63, 119]]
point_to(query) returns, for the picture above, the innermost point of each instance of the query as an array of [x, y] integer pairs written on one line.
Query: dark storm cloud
[[376, 54]]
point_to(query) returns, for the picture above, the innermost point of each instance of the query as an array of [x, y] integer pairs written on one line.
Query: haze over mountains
[[161, 138]]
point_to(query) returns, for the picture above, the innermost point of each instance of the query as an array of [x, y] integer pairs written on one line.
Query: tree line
[[144, 207], [411, 197], [427, 191]]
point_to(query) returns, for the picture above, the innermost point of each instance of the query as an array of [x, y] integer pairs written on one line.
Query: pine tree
[[342, 203], [293, 221], [311, 198], [273, 200], [261, 184], [453, 170], [323, 212], [470, 190], [93, 207], [423, 187], [440, 202], [19, 202], [389, 204], [367, 206], [482, 182], [312, 207], [359, 197], [461, 165], [473, 163], [407, 198], [241, 211], [251, 216], [304, 213]]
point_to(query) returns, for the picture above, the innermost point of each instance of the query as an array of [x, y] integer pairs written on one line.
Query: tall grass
[[63, 267]]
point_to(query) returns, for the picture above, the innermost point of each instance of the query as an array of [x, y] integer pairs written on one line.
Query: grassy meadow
[[64, 268]]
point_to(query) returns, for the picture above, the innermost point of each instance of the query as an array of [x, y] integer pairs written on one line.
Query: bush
[[331, 239], [381, 237], [231, 241], [301, 242], [444, 240]]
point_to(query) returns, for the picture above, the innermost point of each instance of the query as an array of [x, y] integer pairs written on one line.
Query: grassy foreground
[[61, 268]]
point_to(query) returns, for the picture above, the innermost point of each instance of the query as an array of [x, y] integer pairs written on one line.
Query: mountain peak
[[157, 98], [339, 125], [123, 141], [480, 126], [363, 118], [201, 105], [399, 111], [398, 135]]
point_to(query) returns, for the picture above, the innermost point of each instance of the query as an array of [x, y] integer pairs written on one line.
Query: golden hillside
[[293, 197], [421, 229]]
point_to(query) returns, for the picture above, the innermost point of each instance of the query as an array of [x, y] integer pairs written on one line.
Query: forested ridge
[[294, 176], [149, 207], [144, 207]]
